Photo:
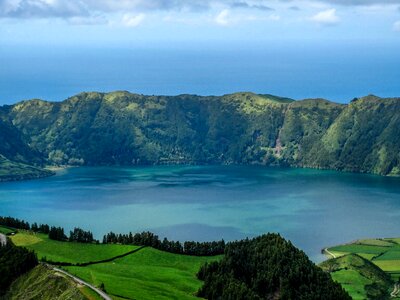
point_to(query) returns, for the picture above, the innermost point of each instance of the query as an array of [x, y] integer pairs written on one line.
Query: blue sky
[[134, 22], [336, 49]]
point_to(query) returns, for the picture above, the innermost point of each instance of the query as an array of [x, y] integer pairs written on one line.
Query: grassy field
[[147, 274], [383, 253], [353, 282], [67, 251], [89, 293], [6, 230], [359, 277]]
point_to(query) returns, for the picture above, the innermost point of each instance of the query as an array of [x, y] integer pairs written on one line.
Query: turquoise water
[[312, 208]]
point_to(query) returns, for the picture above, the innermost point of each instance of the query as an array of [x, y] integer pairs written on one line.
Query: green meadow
[[6, 230], [382, 254], [70, 252], [146, 274]]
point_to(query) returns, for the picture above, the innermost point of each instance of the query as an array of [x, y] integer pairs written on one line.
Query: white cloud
[[222, 18], [326, 17], [130, 20], [396, 26], [88, 20]]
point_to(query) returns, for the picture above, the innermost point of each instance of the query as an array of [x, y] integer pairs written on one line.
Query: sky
[[133, 22], [336, 49]]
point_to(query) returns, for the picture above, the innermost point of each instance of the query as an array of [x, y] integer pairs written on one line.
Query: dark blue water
[[300, 70], [312, 208]]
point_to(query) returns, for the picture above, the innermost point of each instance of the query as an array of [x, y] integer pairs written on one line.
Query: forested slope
[[121, 128]]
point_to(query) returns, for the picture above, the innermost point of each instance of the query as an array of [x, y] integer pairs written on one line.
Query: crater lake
[[312, 208]]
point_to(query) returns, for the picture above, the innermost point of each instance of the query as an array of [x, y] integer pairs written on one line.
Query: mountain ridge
[[122, 128]]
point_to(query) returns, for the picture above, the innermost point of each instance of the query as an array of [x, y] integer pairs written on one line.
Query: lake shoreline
[[55, 169]]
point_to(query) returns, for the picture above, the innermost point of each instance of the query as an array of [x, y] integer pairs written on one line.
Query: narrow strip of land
[[80, 281], [329, 252]]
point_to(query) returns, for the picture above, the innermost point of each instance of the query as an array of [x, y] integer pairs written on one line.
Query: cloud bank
[[79, 8]]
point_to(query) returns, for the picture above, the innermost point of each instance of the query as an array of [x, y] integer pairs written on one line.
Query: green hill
[[266, 267], [359, 277], [121, 128]]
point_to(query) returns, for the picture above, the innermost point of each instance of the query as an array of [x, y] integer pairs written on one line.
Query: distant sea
[[336, 72]]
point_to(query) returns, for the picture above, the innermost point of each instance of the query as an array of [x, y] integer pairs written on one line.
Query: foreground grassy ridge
[[70, 252], [147, 274], [42, 283]]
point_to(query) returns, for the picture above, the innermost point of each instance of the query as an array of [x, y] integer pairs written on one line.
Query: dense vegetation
[[81, 236], [14, 223], [152, 240], [266, 267], [14, 261], [57, 233], [126, 129]]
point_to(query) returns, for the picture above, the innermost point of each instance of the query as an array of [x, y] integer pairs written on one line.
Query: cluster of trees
[[14, 261], [81, 236], [57, 233], [43, 228], [14, 223], [267, 267], [150, 239], [21, 224]]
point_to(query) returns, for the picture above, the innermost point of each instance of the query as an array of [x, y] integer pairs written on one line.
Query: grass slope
[[44, 284], [384, 253], [359, 277], [147, 274], [67, 251], [6, 230]]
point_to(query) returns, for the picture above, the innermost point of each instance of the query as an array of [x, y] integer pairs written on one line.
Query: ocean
[[297, 70]]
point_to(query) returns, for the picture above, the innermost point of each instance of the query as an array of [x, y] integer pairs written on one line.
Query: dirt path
[[329, 252], [80, 281], [396, 290]]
